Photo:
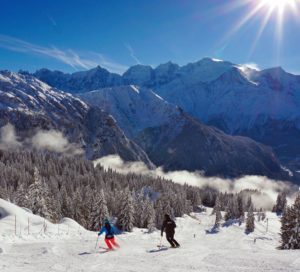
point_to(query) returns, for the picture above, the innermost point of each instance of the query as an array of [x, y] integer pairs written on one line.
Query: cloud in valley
[[51, 140], [8, 138], [268, 187], [54, 141]]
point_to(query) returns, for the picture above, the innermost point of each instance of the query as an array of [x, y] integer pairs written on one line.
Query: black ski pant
[[171, 240]]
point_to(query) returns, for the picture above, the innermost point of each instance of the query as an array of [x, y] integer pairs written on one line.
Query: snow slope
[[229, 250]]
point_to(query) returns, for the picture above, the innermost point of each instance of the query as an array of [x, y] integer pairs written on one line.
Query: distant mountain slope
[[176, 141], [31, 105]]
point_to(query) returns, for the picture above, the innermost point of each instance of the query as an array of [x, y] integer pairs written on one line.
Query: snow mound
[[17, 222]]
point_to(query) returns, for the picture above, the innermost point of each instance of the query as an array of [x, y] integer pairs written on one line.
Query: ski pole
[[96, 242], [160, 243]]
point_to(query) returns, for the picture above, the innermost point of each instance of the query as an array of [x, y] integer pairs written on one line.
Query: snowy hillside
[[229, 250]]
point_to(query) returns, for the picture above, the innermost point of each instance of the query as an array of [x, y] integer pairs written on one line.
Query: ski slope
[[229, 250]]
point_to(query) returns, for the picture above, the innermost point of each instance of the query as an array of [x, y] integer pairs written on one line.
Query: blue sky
[[77, 35]]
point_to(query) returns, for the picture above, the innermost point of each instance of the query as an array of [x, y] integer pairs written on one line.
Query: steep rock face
[[176, 141], [31, 105]]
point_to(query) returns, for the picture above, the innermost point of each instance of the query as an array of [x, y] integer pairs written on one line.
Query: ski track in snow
[[229, 250]]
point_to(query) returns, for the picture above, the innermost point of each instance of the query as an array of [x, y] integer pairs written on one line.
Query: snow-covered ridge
[[134, 107]]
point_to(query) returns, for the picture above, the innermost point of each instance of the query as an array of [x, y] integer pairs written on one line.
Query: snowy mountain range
[[263, 105], [152, 128], [31, 105], [177, 141]]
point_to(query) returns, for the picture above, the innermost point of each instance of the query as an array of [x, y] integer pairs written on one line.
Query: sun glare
[[279, 4], [268, 11]]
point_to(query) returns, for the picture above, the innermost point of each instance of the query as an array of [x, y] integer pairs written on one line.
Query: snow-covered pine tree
[[231, 209], [99, 212], [290, 226], [78, 209], [38, 195], [249, 204], [218, 214], [250, 225], [217, 205], [66, 203], [3, 193], [280, 203], [21, 197], [195, 199], [149, 215], [139, 210], [240, 209], [126, 213]]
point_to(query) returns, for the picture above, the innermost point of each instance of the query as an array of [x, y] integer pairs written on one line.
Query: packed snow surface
[[229, 250]]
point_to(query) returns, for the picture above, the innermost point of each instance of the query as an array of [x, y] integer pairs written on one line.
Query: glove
[[161, 235]]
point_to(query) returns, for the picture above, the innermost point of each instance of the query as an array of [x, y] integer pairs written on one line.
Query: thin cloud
[[132, 53], [53, 22], [69, 57]]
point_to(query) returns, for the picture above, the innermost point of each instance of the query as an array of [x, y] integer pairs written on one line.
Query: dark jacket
[[168, 226]]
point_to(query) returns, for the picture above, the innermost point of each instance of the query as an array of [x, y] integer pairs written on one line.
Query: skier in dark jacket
[[109, 231], [169, 227]]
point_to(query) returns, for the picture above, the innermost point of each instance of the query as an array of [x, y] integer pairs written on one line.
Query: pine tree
[[241, 213], [250, 225], [281, 202], [78, 209], [139, 210], [38, 196], [217, 210], [149, 215], [21, 198], [3, 193], [126, 214], [290, 226], [217, 205], [99, 212], [231, 209]]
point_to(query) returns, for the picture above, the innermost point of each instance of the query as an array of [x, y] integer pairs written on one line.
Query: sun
[[279, 5], [267, 11]]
